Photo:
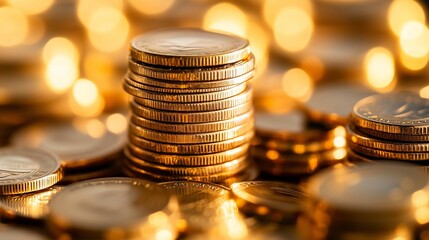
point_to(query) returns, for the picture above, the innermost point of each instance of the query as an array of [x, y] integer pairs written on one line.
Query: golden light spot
[[59, 46], [313, 66], [61, 73], [422, 215], [299, 148], [226, 17], [13, 27], [261, 210], [340, 153], [95, 128], [85, 92], [272, 8], [86, 8], [164, 234], [420, 198], [150, 7], [108, 29], [313, 163], [413, 63], [339, 141], [401, 12], [424, 92], [340, 131], [293, 29], [272, 154], [259, 43], [297, 84], [414, 39], [117, 123], [379, 68], [37, 30], [31, 6]]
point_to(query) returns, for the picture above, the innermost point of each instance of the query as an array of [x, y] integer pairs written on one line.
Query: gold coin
[[192, 74], [354, 157], [355, 137], [191, 149], [378, 153], [10, 232], [293, 147], [235, 165], [188, 47], [280, 199], [229, 102], [159, 83], [248, 174], [136, 153], [194, 127], [73, 141], [402, 113], [29, 206], [24, 170], [148, 88], [190, 117], [103, 207], [191, 138]]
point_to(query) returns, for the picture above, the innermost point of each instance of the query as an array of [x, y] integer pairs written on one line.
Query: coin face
[[78, 143], [278, 195], [31, 206], [188, 47], [26, 170], [100, 204], [11, 232]]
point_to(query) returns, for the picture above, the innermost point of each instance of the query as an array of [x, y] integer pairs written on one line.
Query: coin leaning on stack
[[192, 113], [391, 126]]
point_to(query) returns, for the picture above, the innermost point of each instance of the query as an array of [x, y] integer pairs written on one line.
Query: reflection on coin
[[24, 170], [120, 207], [78, 143], [188, 47], [14, 233], [199, 202], [334, 102], [401, 113], [267, 196], [29, 206]]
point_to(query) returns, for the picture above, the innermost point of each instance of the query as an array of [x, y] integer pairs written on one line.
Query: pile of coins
[[368, 201], [391, 126], [285, 146], [192, 113]]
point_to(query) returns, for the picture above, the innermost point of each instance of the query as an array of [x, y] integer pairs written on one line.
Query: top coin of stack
[[192, 115]]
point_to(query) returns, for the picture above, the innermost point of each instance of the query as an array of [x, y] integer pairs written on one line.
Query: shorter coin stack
[[192, 114], [391, 126], [285, 146]]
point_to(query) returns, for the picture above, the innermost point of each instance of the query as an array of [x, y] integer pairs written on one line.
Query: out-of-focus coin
[[188, 48], [333, 103], [8, 232], [200, 203], [402, 115], [189, 84], [248, 174], [292, 147], [223, 72], [285, 159], [270, 199], [24, 170], [191, 149], [111, 170], [191, 138], [233, 101], [121, 208], [187, 160], [29, 206], [79, 143], [193, 127], [187, 117], [185, 98]]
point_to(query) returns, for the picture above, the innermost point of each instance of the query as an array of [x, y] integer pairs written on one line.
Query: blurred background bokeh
[[68, 58]]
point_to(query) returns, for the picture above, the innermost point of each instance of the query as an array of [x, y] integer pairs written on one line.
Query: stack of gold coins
[[87, 147], [391, 126], [192, 114], [369, 201], [285, 146]]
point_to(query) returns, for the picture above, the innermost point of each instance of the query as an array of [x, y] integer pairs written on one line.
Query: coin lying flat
[[109, 206], [401, 114], [188, 47], [292, 147], [29, 206], [24, 170], [72, 141], [377, 153], [8, 232]]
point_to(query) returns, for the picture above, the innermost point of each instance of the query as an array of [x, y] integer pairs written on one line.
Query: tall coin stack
[[391, 126], [192, 113]]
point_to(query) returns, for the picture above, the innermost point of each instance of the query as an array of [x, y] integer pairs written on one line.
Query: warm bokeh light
[[313, 66], [59, 46], [401, 12], [31, 6], [293, 29], [414, 39], [272, 154], [339, 141], [413, 63], [424, 92], [272, 8], [116, 123], [37, 30], [379, 68], [13, 27], [108, 29], [259, 43], [86, 100], [86, 8], [150, 7], [226, 17], [297, 84], [95, 128]]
